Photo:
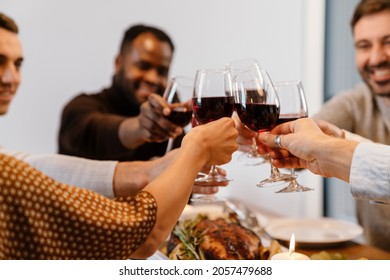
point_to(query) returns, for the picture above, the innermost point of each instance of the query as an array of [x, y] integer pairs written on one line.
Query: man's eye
[[18, 64], [362, 46], [163, 71], [144, 66]]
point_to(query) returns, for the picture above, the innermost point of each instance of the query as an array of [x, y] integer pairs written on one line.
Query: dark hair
[[367, 7], [136, 30], [8, 23]]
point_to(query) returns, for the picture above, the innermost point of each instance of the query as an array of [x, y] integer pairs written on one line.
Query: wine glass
[[292, 106], [251, 156], [212, 99], [257, 105], [179, 94]]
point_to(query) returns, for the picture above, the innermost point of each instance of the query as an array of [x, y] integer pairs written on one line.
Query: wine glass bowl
[[251, 156], [178, 94], [208, 109], [293, 106], [180, 116], [257, 105], [212, 99]]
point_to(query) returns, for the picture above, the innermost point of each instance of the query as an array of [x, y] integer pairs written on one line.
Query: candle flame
[[292, 244]]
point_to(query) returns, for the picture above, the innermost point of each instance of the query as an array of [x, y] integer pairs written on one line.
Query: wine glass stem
[[169, 145], [293, 173], [213, 172], [253, 151], [274, 171]]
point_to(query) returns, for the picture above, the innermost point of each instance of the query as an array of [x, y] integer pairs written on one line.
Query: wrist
[[195, 153], [130, 133], [335, 157], [129, 178]]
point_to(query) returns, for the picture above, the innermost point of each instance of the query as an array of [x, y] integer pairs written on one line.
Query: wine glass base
[[207, 180], [274, 179], [205, 199], [294, 186]]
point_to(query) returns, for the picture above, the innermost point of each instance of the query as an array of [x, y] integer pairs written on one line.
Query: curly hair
[[136, 30]]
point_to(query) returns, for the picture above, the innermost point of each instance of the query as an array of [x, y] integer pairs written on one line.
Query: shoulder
[[87, 99], [345, 106], [359, 92], [351, 98]]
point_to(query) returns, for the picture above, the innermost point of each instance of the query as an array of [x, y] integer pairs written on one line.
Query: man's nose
[[152, 76], [378, 55], [10, 75]]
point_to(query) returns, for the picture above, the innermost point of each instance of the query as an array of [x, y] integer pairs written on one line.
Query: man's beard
[[128, 88], [125, 86]]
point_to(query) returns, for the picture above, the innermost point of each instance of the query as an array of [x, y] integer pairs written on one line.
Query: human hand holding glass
[[293, 106], [251, 156], [257, 105], [212, 99], [179, 94]]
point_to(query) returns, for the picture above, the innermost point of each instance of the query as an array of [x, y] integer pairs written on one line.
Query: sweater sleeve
[[43, 219], [370, 172], [89, 174]]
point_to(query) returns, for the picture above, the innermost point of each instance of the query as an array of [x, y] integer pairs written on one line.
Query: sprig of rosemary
[[190, 238]]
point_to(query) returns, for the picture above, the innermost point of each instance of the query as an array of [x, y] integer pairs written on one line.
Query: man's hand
[[154, 125], [150, 125]]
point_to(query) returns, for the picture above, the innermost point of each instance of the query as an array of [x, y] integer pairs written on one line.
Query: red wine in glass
[[258, 117], [288, 118], [208, 109], [180, 116]]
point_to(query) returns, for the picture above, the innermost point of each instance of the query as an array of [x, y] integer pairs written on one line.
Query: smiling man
[[365, 110], [125, 121], [11, 58]]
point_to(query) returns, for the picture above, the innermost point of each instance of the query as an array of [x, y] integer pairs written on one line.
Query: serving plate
[[313, 232]]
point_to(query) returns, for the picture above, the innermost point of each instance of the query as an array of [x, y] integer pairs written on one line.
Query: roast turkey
[[213, 239]]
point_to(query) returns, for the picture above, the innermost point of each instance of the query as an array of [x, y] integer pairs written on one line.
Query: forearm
[[130, 134], [172, 190], [355, 137], [132, 177], [334, 157]]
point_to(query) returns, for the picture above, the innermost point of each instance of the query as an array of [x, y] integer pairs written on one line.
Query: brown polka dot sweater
[[43, 219]]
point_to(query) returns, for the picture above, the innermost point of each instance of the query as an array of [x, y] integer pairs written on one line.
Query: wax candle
[[291, 254], [288, 256]]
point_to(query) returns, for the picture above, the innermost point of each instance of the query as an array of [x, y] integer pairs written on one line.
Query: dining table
[[351, 250], [355, 249]]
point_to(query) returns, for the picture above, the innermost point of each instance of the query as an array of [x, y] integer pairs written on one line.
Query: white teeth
[[381, 73]]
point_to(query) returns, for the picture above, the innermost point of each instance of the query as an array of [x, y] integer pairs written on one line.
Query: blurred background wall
[[340, 74], [69, 47]]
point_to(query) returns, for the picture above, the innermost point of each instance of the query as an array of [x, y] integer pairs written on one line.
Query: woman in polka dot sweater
[[41, 218]]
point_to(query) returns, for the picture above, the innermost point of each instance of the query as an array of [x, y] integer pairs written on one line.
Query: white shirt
[[85, 173], [370, 172]]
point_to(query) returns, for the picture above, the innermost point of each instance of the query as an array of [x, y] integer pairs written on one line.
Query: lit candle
[[291, 254]]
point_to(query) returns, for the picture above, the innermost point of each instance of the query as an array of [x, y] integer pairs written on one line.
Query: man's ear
[[118, 63]]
